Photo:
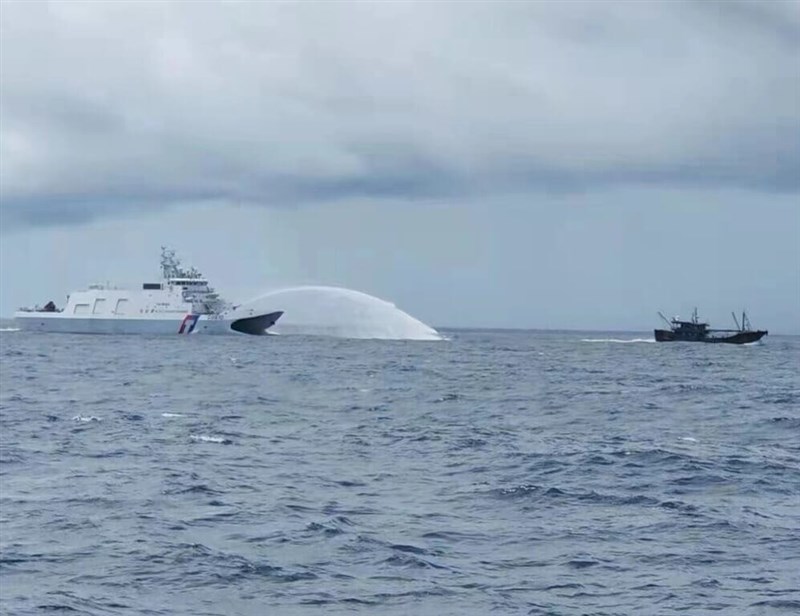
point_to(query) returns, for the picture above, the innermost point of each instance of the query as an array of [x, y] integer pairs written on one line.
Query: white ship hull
[[182, 302], [189, 324]]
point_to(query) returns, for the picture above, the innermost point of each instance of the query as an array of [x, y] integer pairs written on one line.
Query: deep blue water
[[504, 472]]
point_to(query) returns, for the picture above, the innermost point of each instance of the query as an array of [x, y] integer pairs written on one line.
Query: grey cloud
[[112, 108], [771, 21]]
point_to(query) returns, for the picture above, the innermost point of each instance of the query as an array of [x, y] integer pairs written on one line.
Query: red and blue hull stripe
[[188, 324]]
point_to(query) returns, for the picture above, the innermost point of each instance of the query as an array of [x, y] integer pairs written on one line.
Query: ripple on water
[[494, 472]]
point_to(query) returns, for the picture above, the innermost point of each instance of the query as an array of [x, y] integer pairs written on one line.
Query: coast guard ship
[[182, 302]]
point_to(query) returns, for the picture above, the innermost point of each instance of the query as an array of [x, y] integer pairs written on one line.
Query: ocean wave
[[471, 477]]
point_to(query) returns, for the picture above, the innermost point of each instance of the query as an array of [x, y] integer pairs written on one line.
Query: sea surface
[[507, 472]]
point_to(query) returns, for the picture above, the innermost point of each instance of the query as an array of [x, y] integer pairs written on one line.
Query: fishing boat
[[181, 302], [696, 331]]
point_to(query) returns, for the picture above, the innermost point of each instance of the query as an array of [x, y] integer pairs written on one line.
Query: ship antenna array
[[169, 263]]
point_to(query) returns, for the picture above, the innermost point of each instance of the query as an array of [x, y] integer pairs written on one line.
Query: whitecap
[[205, 438], [85, 418]]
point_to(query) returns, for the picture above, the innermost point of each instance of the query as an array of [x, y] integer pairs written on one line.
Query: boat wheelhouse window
[[81, 309], [151, 286]]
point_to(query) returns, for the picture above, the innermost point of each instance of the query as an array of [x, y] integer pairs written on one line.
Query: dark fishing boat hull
[[665, 335]]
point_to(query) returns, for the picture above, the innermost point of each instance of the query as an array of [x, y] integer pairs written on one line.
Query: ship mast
[[733, 314], [171, 266], [169, 263]]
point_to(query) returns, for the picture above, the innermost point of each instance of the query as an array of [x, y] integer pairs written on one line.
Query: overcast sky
[[561, 165]]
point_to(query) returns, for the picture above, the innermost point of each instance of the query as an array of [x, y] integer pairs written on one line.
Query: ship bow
[[257, 325]]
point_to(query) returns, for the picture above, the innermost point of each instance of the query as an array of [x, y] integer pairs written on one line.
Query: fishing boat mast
[[663, 318]]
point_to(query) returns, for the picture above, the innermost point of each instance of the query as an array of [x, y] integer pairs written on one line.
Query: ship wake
[[618, 340]]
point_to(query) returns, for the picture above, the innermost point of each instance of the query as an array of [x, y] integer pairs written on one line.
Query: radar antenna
[[171, 266], [169, 263]]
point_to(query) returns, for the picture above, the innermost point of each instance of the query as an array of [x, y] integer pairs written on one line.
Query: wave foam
[[618, 340], [204, 438]]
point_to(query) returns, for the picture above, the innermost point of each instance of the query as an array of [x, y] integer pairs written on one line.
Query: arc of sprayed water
[[341, 312]]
